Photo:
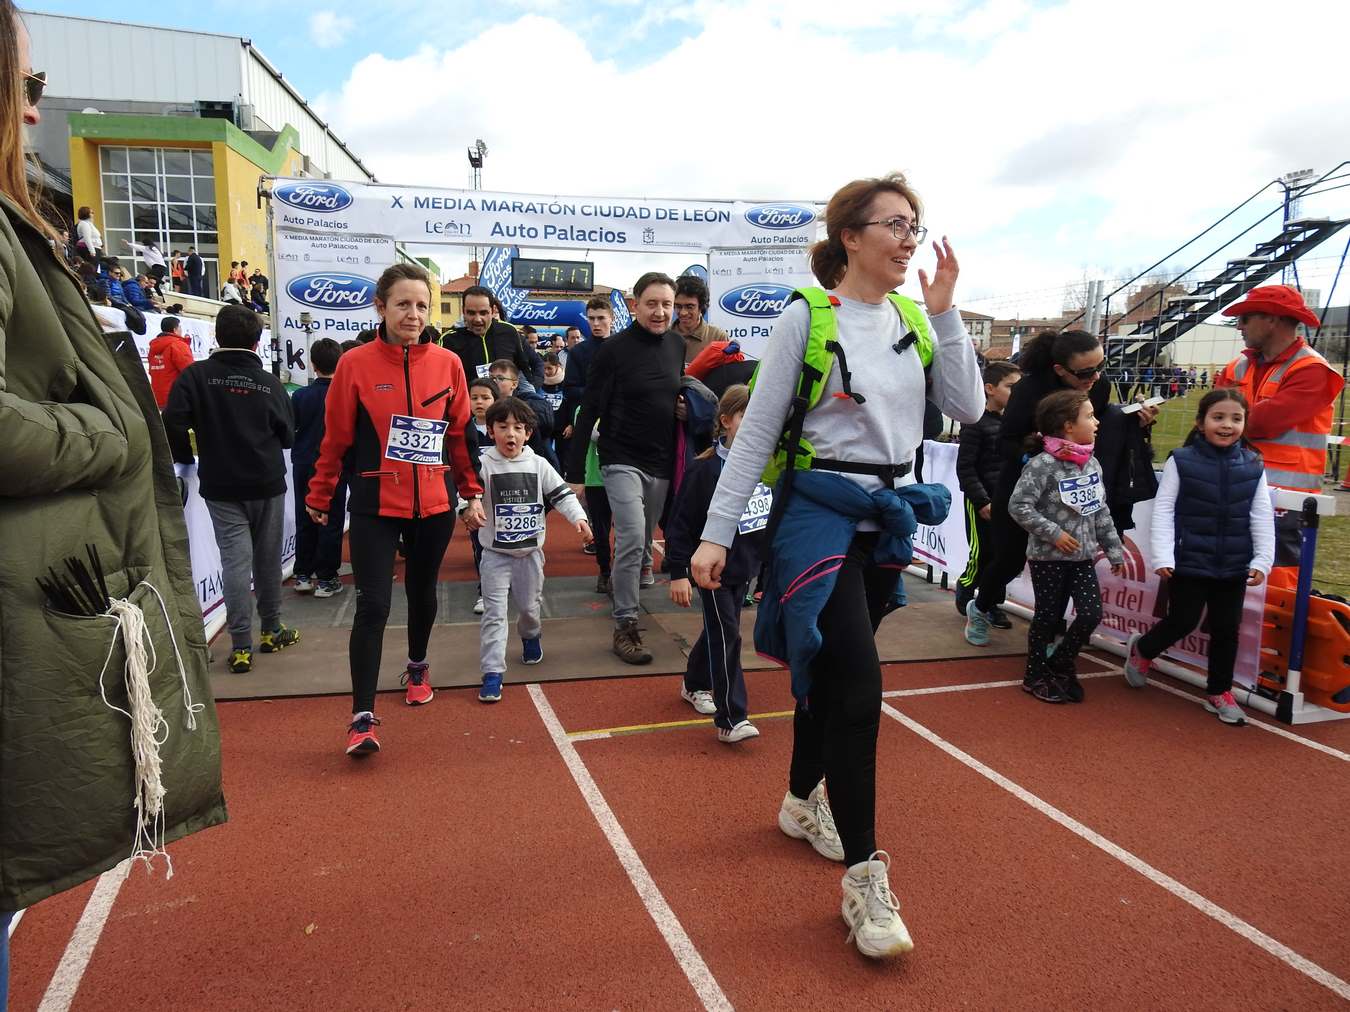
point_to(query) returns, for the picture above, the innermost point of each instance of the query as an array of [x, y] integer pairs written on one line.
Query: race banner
[[749, 289], [331, 275], [495, 276], [622, 316], [479, 217], [943, 546]]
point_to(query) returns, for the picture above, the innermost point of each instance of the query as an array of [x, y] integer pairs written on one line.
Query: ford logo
[[756, 301], [333, 291], [779, 216], [314, 196]]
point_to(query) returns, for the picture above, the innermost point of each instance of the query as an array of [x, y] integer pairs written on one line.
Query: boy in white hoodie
[[517, 487]]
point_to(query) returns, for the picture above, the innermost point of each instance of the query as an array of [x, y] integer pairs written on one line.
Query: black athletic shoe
[[998, 618], [963, 596], [1071, 687], [588, 549], [1047, 690]]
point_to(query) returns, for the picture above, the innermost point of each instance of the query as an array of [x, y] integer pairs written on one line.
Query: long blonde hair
[[13, 159], [734, 400]]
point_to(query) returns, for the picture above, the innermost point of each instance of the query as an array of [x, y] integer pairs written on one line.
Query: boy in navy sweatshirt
[[714, 682], [318, 550]]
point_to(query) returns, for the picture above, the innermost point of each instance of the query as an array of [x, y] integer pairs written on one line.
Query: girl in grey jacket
[[1061, 502]]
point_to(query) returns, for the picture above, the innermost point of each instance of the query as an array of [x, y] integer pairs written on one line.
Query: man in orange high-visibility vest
[[1291, 391]]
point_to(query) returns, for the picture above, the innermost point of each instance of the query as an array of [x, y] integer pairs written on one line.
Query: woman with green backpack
[[838, 407]]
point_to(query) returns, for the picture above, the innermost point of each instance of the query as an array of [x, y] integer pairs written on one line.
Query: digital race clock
[[553, 275]]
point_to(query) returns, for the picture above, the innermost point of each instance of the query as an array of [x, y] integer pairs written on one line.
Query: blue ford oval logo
[[779, 216], [756, 301], [330, 290], [314, 196]]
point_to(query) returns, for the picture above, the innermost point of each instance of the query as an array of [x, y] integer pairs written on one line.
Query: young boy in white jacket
[[517, 487]]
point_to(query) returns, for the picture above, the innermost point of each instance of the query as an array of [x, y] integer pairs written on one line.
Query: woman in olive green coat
[[83, 461]]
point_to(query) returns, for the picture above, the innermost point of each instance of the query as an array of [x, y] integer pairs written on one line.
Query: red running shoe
[[418, 680], [361, 738]]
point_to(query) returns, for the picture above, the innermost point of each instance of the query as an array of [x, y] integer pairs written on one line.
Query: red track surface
[[462, 868]]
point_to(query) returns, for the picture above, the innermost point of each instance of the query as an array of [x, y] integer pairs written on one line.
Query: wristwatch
[[464, 503]]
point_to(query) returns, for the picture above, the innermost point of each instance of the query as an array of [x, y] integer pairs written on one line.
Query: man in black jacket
[[978, 462], [242, 420], [195, 269], [484, 340], [633, 392], [600, 317]]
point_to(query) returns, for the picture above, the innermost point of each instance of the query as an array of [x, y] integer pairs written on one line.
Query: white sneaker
[[304, 585], [871, 910], [811, 820], [478, 607], [700, 699], [740, 732]]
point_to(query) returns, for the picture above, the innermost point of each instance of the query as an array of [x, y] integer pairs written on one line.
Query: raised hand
[[938, 293]]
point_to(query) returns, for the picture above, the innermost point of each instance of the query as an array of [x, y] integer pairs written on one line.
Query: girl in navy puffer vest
[[1213, 535]]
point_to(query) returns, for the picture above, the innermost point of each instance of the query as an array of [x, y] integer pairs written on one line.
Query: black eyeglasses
[[34, 85], [1084, 374], [902, 228]]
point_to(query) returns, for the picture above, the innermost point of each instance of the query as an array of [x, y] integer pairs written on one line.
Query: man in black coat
[[483, 340]]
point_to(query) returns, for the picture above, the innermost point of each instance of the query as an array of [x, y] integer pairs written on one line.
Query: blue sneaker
[[977, 626], [492, 687], [532, 651]]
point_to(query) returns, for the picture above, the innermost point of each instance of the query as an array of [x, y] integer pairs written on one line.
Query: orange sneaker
[[361, 738], [418, 680]]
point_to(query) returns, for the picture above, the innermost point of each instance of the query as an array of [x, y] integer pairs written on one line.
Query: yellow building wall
[[86, 186], [242, 223]]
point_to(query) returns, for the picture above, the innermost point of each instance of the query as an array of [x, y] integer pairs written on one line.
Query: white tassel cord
[[149, 729]]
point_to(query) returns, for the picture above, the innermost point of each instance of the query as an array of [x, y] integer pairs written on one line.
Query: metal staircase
[[1143, 345]]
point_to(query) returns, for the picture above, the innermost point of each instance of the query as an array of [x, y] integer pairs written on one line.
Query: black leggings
[[1054, 583], [1187, 597], [835, 732], [373, 541], [602, 520], [1007, 553]]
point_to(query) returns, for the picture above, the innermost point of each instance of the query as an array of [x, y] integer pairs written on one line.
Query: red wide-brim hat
[[1278, 300]]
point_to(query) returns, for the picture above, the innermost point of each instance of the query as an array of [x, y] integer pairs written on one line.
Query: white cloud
[[1010, 120], [328, 29]]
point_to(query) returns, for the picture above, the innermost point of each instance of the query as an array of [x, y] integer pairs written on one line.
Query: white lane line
[[935, 690], [70, 971], [697, 972], [1231, 921], [1317, 746]]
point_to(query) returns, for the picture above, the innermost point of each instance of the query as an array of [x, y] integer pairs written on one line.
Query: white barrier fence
[[1130, 603]]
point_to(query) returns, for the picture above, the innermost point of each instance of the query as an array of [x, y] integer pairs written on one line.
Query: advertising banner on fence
[[1130, 604], [1133, 602], [206, 567], [484, 218], [331, 276], [748, 289]]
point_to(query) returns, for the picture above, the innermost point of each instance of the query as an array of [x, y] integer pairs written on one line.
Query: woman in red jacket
[[394, 423]]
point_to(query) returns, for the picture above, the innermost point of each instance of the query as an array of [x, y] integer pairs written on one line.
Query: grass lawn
[[1332, 571]]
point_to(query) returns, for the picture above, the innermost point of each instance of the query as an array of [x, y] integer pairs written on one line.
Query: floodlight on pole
[[477, 154]]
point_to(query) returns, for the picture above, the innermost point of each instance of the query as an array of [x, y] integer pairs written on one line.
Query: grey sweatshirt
[[886, 429], [1055, 495], [515, 492]]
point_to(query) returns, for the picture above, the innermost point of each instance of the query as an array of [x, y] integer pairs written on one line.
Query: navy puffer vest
[[1213, 512]]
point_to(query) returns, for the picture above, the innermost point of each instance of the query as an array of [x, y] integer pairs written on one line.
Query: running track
[[1127, 853]]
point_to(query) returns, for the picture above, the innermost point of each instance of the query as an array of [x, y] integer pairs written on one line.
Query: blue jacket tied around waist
[[819, 519]]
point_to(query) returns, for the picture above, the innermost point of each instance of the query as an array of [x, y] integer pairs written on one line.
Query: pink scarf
[[1062, 449]]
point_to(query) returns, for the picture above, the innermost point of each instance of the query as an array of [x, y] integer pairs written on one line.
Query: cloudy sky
[[1051, 141]]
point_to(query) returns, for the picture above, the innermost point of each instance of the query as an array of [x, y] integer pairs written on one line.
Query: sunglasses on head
[[34, 85]]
